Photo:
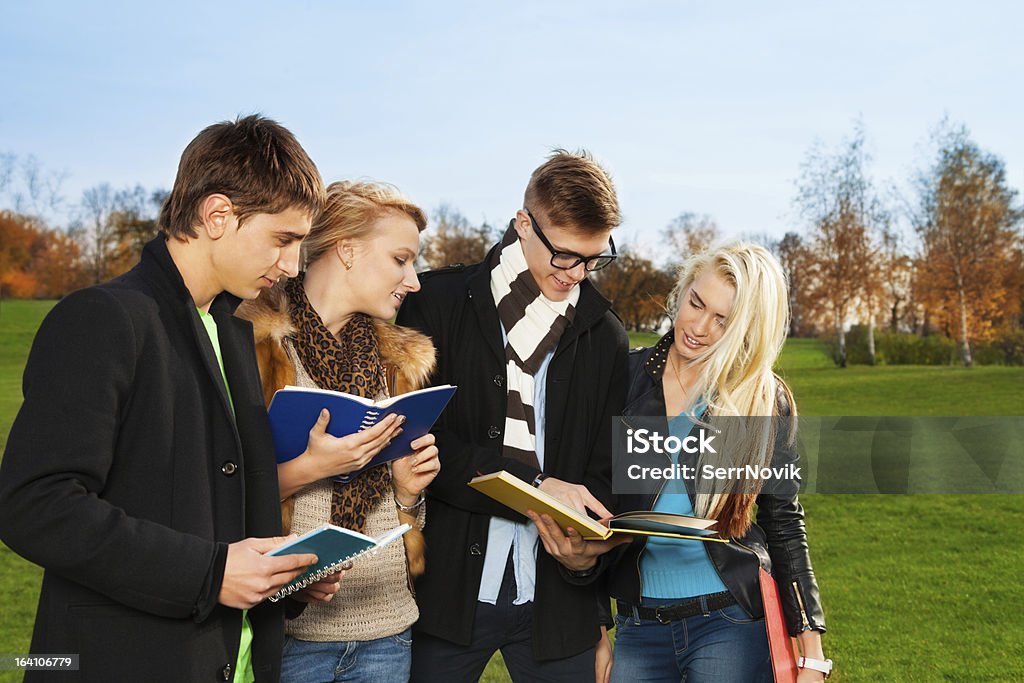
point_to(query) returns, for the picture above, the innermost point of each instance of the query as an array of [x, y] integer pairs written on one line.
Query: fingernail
[[401, 420]]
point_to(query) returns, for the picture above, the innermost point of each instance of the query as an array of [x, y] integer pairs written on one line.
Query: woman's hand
[[603, 658], [568, 547], [321, 591], [328, 456], [810, 646], [411, 474]]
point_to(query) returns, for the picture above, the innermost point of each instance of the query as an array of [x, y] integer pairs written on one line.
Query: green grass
[[915, 588], [19, 579]]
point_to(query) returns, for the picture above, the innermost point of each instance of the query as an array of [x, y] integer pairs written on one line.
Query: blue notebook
[[294, 410], [333, 546]]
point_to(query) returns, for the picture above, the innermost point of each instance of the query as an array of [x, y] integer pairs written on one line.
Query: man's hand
[[250, 576], [568, 547], [321, 591], [575, 496]]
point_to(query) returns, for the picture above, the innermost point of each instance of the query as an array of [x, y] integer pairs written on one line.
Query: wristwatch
[[581, 573], [538, 479], [822, 665]]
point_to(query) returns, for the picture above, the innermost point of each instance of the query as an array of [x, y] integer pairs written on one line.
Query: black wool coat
[[585, 389], [126, 476]]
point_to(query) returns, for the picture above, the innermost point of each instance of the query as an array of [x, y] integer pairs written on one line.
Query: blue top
[[673, 567]]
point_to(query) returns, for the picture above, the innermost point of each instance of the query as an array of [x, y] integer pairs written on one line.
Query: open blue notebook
[[294, 410], [333, 546]]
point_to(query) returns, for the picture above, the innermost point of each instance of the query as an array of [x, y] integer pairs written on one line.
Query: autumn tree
[[637, 289], [113, 226], [29, 190], [688, 233], [451, 238], [968, 225], [836, 198], [17, 237], [897, 271], [36, 261], [795, 258]]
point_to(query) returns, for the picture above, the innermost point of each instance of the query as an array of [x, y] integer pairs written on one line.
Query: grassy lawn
[[916, 588]]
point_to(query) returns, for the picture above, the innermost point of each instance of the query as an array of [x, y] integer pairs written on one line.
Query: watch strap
[[822, 665]]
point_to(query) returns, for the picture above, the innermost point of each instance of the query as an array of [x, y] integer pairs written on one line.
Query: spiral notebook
[[333, 546]]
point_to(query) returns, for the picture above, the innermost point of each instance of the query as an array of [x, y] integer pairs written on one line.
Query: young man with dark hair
[[540, 362], [140, 471]]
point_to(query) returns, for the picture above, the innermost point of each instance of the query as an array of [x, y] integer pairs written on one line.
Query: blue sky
[[703, 107]]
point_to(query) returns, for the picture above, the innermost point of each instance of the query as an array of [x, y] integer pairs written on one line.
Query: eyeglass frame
[[580, 258]]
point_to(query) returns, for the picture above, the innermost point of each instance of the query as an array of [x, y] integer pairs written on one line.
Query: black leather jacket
[[777, 542]]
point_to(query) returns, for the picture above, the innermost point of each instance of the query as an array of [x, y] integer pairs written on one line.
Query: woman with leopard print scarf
[[327, 328]]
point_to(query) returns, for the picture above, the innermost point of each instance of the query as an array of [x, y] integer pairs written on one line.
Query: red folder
[[781, 646]]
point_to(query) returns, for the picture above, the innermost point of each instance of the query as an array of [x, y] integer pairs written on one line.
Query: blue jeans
[[384, 660], [720, 646]]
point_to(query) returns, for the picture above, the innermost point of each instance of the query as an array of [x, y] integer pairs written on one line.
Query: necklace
[[679, 381]]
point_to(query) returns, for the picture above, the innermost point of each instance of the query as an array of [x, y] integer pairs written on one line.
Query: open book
[[294, 410], [333, 546], [515, 493]]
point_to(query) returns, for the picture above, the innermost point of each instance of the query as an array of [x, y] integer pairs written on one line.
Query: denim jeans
[[720, 646], [384, 660]]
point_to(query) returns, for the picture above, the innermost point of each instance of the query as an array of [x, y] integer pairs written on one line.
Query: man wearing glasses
[[540, 362]]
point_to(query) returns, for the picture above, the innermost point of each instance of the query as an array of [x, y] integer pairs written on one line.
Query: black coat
[[126, 477], [585, 388], [777, 542]]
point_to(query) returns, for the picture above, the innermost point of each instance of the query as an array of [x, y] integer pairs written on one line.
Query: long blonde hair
[[735, 374]]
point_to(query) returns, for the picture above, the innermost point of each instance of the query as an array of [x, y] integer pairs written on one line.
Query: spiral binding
[[369, 419], [318, 575]]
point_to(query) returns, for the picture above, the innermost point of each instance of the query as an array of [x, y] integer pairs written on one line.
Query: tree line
[[944, 259]]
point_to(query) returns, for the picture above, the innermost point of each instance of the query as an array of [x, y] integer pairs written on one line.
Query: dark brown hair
[[255, 162], [575, 192]]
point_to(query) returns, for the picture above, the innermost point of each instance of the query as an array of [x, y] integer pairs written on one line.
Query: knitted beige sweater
[[374, 599]]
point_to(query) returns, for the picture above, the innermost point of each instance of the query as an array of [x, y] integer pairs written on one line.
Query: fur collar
[[409, 351]]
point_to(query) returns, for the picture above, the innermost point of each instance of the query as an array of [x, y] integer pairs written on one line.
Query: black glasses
[[566, 260]]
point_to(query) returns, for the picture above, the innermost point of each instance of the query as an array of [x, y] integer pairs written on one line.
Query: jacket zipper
[[805, 624]]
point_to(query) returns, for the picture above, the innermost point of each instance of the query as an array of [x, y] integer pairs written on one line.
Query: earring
[[347, 264]]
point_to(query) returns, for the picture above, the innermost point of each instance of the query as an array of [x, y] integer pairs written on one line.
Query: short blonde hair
[[351, 209]]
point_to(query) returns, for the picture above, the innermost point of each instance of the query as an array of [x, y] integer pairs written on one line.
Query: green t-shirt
[[243, 667]]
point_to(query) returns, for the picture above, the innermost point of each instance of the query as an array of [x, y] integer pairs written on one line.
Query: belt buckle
[[661, 619]]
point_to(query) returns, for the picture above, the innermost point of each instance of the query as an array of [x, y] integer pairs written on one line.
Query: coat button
[[499, 380], [475, 549], [225, 673], [228, 468], [493, 432]]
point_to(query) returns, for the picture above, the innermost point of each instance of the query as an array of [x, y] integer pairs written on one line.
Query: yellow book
[[515, 493]]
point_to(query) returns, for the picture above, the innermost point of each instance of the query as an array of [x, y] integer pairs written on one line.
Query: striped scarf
[[533, 325]]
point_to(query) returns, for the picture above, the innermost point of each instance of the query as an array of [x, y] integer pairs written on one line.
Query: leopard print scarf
[[350, 363]]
